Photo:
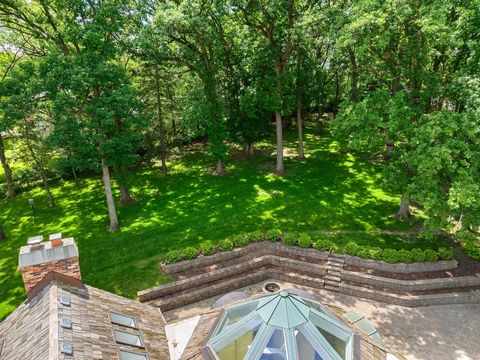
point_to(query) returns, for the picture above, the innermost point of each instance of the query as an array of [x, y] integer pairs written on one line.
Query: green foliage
[[290, 238], [418, 255], [431, 255], [240, 240], [445, 254], [189, 253], [323, 245], [173, 256], [404, 256], [225, 245], [273, 235], [304, 240], [352, 249], [256, 236], [207, 248]]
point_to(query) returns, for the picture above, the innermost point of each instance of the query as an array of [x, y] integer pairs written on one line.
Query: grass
[[328, 191]]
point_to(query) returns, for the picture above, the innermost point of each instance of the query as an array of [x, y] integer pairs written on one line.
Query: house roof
[[33, 330]]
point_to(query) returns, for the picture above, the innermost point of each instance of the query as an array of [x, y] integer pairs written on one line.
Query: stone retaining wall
[[401, 267], [270, 261], [258, 249], [411, 285]]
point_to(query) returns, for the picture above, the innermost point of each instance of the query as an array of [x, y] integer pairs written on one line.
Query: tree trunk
[[3, 236], [248, 149], [404, 211], [219, 169], [40, 169], [125, 198], [112, 211], [279, 130], [301, 153], [7, 170], [163, 153], [354, 74]]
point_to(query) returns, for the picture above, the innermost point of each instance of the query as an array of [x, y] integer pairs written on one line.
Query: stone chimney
[[37, 260]]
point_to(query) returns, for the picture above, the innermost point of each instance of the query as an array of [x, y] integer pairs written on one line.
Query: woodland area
[[129, 92]]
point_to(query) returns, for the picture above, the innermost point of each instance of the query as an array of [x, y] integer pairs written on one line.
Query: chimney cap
[[55, 236], [35, 240], [29, 256]]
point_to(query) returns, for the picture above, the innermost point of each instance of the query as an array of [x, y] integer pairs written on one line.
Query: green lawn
[[328, 191]]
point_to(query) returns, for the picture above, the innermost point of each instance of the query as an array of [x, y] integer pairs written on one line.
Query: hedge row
[[304, 240], [471, 245]]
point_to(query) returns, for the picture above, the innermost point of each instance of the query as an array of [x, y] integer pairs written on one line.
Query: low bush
[[444, 253], [240, 240], [304, 241], [290, 238], [404, 256], [256, 236], [225, 245], [207, 248], [430, 255], [273, 235], [189, 253], [173, 256], [389, 255], [364, 252], [418, 255], [352, 249], [323, 245]]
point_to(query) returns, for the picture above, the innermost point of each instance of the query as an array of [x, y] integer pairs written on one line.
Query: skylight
[[127, 355], [123, 337], [282, 326], [123, 320]]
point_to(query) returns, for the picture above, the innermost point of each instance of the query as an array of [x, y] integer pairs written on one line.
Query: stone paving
[[447, 332]]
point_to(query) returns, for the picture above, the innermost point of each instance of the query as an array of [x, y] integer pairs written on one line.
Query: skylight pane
[[126, 355], [123, 320], [127, 338]]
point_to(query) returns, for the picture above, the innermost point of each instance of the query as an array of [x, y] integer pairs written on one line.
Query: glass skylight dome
[[282, 326]]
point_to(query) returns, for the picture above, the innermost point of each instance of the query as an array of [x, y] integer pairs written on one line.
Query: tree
[[276, 22], [3, 236], [192, 28]]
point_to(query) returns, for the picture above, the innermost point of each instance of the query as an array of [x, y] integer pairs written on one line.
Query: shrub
[[225, 245], [240, 240], [417, 255], [189, 253], [304, 240], [404, 256], [376, 253], [207, 248], [256, 236], [430, 255], [273, 235], [173, 256], [364, 252], [389, 255], [323, 245], [352, 249], [290, 238], [444, 253]]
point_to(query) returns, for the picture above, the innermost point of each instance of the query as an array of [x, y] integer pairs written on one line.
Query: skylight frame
[[322, 318]]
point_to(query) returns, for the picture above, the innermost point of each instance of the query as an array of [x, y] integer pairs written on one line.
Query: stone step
[[332, 277], [331, 287], [338, 256], [331, 260], [336, 272], [335, 265]]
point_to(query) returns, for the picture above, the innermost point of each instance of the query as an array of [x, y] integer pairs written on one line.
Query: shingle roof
[[33, 331]]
